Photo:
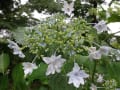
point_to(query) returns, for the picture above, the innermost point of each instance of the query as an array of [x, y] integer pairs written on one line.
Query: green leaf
[[18, 78], [19, 35], [39, 73], [3, 83], [4, 62], [114, 18], [60, 82]]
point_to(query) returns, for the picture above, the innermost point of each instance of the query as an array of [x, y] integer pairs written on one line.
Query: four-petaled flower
[[28, 68], [16, 48], [101, 27], [54, 64], [68, 8], [76, 76]]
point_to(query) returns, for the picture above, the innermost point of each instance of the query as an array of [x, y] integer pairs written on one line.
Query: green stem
[[34, 59], [94, 70]]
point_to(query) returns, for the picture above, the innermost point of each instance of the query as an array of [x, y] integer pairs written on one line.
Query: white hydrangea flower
[[93, 87], [76, 76], [104, 50], [16, 49], [100, 78], [68, 8], [101, 26], [4, 33], [54, 64], [94, 54], [28, 68]]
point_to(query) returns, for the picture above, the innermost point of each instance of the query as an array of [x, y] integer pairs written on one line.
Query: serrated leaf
[[4, 62]]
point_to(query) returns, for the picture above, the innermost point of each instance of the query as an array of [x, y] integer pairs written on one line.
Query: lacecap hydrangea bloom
[[77, 76], [54, 64]]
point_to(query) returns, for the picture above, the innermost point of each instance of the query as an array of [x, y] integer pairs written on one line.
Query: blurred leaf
[[18, 78], [4, 62], [39, 73], [3, 83], [114, 18], [19, 34], [60, 82], [43, 88]]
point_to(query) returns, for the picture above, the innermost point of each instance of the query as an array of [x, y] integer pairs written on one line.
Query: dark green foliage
[[18, 78], [4, 62], [4, 83]]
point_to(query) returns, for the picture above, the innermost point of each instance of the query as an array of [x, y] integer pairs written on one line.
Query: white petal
[[76, 67], [50, 70], [47, 60]]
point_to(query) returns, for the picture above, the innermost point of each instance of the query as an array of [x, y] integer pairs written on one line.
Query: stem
[[96, 44], [34, 59], [94, 70]]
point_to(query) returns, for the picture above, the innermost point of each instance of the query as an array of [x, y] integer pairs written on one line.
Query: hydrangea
[[100, 78], [28, 68], [76, 76], [16, 48], [54, 64], [68, 8], [101, 27], [104, 50], [94, 54], [4, 33], [93, 87]]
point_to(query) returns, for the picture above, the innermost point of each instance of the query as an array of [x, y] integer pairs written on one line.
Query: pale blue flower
[[101, 27], [94, 54], [28, 67], [54, 64], [68, 8], [16, 48], [77, 76], [104, 50]]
